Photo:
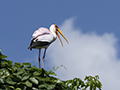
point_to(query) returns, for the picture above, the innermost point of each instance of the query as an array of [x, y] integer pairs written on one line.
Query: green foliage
[[26, 77]]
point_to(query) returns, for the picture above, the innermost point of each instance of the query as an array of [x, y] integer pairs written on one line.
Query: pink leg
[[44, 57]]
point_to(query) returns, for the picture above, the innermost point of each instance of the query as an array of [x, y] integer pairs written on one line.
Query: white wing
[[43, 34]]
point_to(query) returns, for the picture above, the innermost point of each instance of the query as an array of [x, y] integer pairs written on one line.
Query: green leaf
[[36, 73], [4, 71], [96, 77], [33, 80], [25, 77], [29, 64], [28, 68], [17, 64], [14, 68], [10, 62], [35, 68], [18, 89], [92, 82], [25, 87], [12, 87], [50, 87], [20, 71], [58, 67], [68, 82], [2, 56], [6, 63], [33, 88], [17, 75], [28, 83], [1, 81], [52, 73], [53, 68], [47, 79], [41, 86], [47, 86], [10, 81]]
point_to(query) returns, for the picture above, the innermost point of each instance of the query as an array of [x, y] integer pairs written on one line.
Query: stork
[[43, 37]]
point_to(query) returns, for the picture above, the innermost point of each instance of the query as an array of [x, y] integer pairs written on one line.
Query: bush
[[26, 77]]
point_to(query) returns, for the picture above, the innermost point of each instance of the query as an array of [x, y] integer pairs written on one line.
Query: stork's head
[[54, 28]]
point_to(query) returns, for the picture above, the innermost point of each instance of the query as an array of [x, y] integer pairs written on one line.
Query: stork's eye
[[56, 26]]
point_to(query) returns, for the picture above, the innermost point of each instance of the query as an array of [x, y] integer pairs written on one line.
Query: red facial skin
[[56, 27]]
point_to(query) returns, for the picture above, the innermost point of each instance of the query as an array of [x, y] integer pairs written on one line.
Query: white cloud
[[86, 54]]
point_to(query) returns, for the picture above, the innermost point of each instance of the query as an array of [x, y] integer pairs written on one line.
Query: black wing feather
[[37, 44]]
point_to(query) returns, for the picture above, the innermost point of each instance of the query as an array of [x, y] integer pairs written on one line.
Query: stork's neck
[[53, 31], [54, 35]]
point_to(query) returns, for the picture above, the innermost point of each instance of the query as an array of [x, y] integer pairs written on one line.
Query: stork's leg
[[39, 57], [44, 57]]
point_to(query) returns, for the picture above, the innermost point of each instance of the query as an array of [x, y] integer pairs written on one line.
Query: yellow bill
[[62, 36]]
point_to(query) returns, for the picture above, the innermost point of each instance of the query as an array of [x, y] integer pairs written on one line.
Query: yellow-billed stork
[[43, 37]]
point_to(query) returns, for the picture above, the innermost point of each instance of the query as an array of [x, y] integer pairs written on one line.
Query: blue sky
[[19, 19]]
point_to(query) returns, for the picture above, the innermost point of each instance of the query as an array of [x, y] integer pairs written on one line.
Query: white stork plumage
[[43, 37]]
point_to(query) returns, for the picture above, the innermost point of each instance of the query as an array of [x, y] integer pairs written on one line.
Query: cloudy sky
[[92, 28]]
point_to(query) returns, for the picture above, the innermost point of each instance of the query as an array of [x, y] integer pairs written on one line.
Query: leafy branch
[[26, 77]]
